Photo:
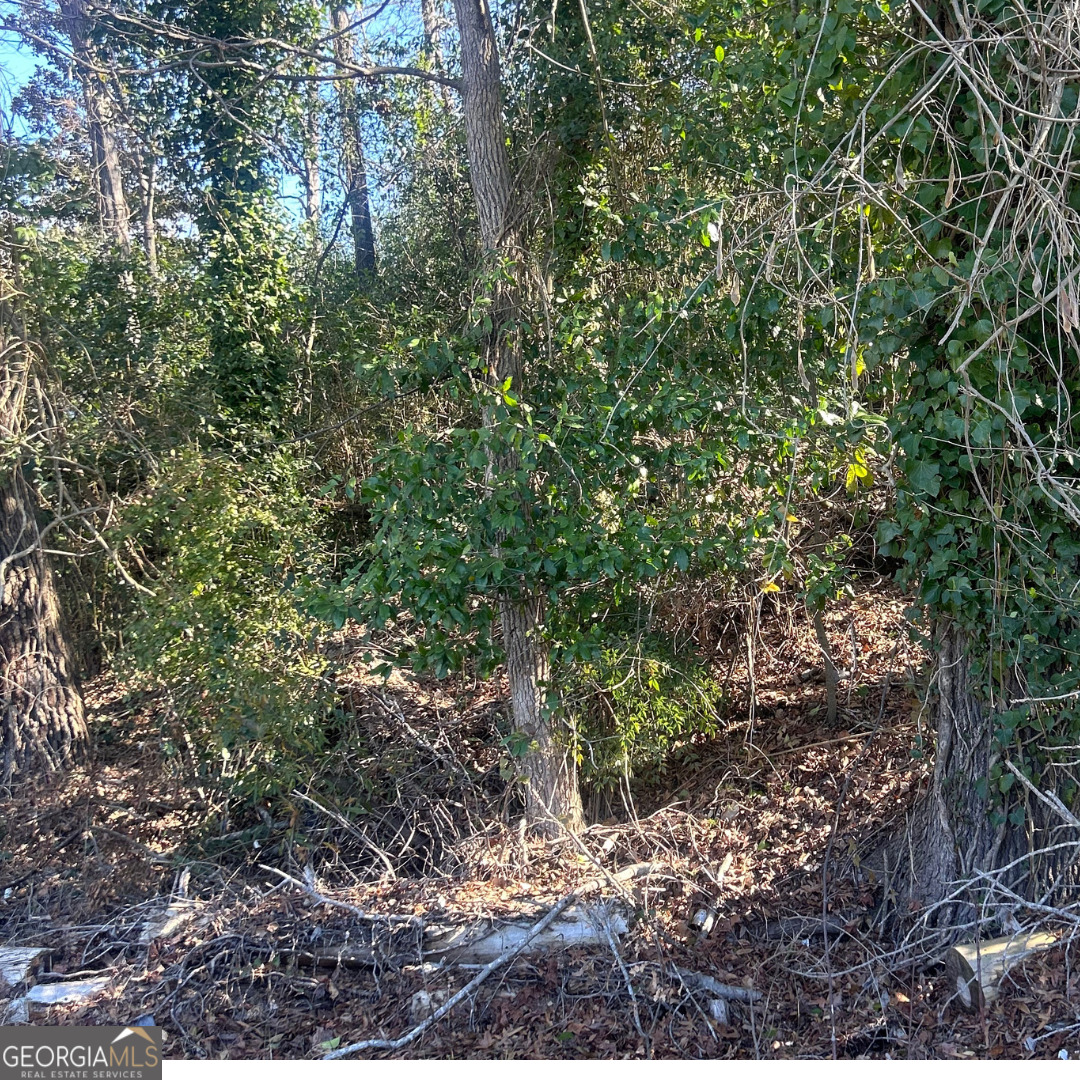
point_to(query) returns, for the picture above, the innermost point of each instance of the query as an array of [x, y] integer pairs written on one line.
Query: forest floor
[[738, 831]]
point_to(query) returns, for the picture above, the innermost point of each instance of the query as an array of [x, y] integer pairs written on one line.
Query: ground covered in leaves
[[128, 870]]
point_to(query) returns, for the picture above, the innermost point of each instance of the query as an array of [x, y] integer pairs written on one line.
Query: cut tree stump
[[977, 968]]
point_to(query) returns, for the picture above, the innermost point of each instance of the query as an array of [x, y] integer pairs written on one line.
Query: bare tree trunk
[[549, 765], [101, 119], [431, 13], [832, 678], [312, 177], [356, 185], [145, 154], [948, 834], [42, 726], [550, 770]]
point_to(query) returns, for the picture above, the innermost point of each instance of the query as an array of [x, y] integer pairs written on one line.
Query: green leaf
[[789, 93], [925, 476]]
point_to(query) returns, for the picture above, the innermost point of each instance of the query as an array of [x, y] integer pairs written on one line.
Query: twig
[[468, 988], [411, 920], [1047, 797], [353, 831], [605, 925], [717, 988]]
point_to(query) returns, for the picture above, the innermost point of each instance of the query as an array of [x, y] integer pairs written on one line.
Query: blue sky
[[17, 64], [399, 20]]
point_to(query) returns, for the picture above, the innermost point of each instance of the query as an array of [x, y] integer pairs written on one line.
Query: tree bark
[[552, 793], [145, 155], [549, 766], [147, 169], [42, 724], [108, 178], [312, 177], [431, 14], [356, 185], [949, 837], [481, 92], [149, 225]]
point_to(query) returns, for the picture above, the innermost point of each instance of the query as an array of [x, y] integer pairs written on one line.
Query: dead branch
[[468, 988], [697, 980], [401, 920]]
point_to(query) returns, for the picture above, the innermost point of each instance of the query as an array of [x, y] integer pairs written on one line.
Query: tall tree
[[352, 152], [989, 423], [936, 196], [549, 763], [310, 137], [102, 120]]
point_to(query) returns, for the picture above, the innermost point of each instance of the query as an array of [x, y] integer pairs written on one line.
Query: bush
[[632, 710], [223, 634]]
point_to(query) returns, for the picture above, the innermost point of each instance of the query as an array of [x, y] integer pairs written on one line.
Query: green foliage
[[223, 633], [662, 429], [255, 310], [755, 273], [632, 710]]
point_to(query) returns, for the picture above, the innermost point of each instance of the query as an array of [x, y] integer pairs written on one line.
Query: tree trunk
[[312, 177], [356, 185], [552, 793], [148, 184], [949, 834], [42, 726], [949, 837], [101, 119], [145, 154], [431, 14], [548, 765]]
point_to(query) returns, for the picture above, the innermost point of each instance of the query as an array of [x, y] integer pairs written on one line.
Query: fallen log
[[17, 965], [397, 940], [464, 992], [795, 927], [24, 1009], [977, 968], [479, 943]]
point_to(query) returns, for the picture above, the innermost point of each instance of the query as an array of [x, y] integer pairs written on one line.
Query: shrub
[[222, 633]]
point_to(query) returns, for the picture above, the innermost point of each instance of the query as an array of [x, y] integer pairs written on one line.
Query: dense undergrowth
[[738, 826], [658, 451]]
